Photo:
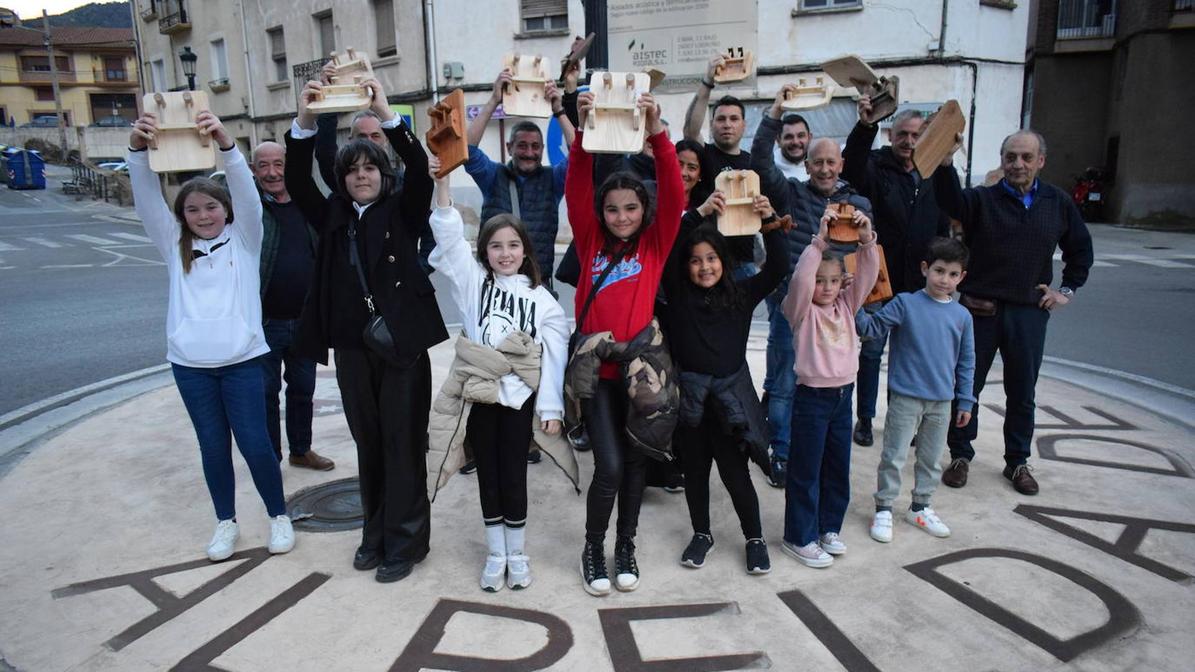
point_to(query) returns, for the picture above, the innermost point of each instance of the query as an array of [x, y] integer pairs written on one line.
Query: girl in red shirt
[[623, 227]]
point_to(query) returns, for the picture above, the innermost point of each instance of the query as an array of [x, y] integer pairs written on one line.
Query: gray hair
[[905, 115], [261, 146], [1041, 141], [363, 114], [523, 127]]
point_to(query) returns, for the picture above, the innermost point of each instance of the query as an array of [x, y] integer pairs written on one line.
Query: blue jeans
[[780, 379], [1018, 333], [300, 388], [231, 397], [818, 488], [871, 352]]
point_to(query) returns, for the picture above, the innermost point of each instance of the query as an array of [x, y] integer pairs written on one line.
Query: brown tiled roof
[[72, 37]]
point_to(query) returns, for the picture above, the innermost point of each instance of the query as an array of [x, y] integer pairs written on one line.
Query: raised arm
[[157, 218], [875, 325], [477, 126], [695, 115], [578, 182], [867, 267], [325, 149], [452, 256], [856, 156], [776, 265], [670, 190], [804, 281], [772, 181]]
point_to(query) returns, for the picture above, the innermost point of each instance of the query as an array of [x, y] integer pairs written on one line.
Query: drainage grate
[[327, 507]]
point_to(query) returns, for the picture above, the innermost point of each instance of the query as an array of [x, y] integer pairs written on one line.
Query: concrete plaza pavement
[[102, 564]]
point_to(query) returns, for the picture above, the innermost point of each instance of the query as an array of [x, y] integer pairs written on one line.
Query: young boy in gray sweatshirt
[[931, 363]]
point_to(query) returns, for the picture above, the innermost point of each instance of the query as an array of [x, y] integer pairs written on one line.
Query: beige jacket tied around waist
[[473, 378]]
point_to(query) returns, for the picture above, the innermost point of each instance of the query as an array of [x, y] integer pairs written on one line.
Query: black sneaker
[[779, 473], [626, 570], [675, 483], [863, 435], [469, 467], [534, 456], [593, 570], [757, 557], [699, 546], [579, 438]]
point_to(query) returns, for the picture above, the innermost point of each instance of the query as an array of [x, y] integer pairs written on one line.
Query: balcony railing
[[112, 76], [44, 76], [1184, 5], [1086, 19], [174, 17], [149, 10]]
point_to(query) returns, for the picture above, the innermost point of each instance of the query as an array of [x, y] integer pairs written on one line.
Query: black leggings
[[618, 469], [500, 436], [699, 447]]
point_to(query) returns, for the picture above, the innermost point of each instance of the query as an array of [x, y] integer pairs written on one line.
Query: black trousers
[[618, 469], [1018, 333], [698, 448], [500, 436], [386, 408]]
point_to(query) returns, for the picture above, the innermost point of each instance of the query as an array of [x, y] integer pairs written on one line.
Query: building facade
[[97, 75], [1108, 81], [257, 54]]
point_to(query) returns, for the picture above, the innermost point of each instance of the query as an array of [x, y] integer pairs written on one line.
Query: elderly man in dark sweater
[[287, 262], [1012, 229], [907, 219]]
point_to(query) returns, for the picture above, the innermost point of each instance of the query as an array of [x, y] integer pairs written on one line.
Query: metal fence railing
[[88, 181], [1083, 19]]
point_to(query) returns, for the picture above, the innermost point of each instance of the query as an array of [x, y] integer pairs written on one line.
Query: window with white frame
[[278, 53], [544, 15], [383, 19], [157, 70], [219, 61], [808, 5]]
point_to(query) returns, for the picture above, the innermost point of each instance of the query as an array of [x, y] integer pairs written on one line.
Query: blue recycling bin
[[25, 169]]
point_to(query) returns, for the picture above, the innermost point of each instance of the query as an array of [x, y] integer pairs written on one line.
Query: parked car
[[43, 121], [113, 121]]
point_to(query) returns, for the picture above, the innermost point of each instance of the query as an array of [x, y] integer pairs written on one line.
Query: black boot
[[863, 435]]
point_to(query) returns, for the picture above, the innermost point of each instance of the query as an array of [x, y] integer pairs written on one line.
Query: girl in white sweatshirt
[[213, 322], [499, 292]]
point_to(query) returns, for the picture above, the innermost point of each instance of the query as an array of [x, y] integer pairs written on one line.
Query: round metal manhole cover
[[327, 507]]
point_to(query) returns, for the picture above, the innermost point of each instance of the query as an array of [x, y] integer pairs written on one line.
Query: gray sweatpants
[[908, 416]]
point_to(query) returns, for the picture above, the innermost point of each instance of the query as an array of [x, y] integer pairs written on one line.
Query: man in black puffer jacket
[[907, 219]]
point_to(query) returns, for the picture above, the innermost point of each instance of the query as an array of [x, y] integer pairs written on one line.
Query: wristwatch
[[1067, 292]]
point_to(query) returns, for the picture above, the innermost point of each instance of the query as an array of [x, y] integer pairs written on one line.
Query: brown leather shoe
[[955, 475], [1022, 481], [312, 460]]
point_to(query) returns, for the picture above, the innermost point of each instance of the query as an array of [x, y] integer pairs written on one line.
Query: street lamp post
[[188, 58]]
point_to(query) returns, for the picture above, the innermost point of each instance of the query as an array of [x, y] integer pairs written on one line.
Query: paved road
[[83, 296], [84, 299]]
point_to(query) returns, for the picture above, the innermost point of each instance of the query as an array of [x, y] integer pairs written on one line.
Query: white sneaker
[[493, 576], [832, 543], [881, 527], [282, 535], [810, 555], [223, 541], [518, 571], [927, 520]]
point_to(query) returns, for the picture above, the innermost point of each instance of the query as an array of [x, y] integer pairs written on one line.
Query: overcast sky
[[31, 9]]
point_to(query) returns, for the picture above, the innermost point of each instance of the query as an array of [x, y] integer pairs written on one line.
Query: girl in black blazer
[[386, 395]]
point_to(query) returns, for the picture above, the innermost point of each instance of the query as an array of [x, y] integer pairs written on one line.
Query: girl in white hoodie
[[213, 323], [499, 292]]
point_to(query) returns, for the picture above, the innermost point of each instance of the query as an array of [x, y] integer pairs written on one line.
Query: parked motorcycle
[[1089, 194]]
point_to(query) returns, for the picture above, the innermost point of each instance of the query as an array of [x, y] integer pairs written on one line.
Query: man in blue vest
[[523, 186], [287, 263]]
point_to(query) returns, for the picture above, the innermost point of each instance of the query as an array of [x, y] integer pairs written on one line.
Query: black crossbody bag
[[575, 338], [376, 335]]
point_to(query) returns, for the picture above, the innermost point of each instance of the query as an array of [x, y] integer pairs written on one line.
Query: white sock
[[514, 540], [495, 540]]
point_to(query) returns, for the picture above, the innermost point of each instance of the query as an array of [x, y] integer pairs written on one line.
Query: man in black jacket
[[907, 219], [1012, 229]]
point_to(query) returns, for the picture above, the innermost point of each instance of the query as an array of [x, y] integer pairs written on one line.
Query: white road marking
[[1150, 261], [131, 236], [94, 240], [44, 242], [6, 247], [68, 266]]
